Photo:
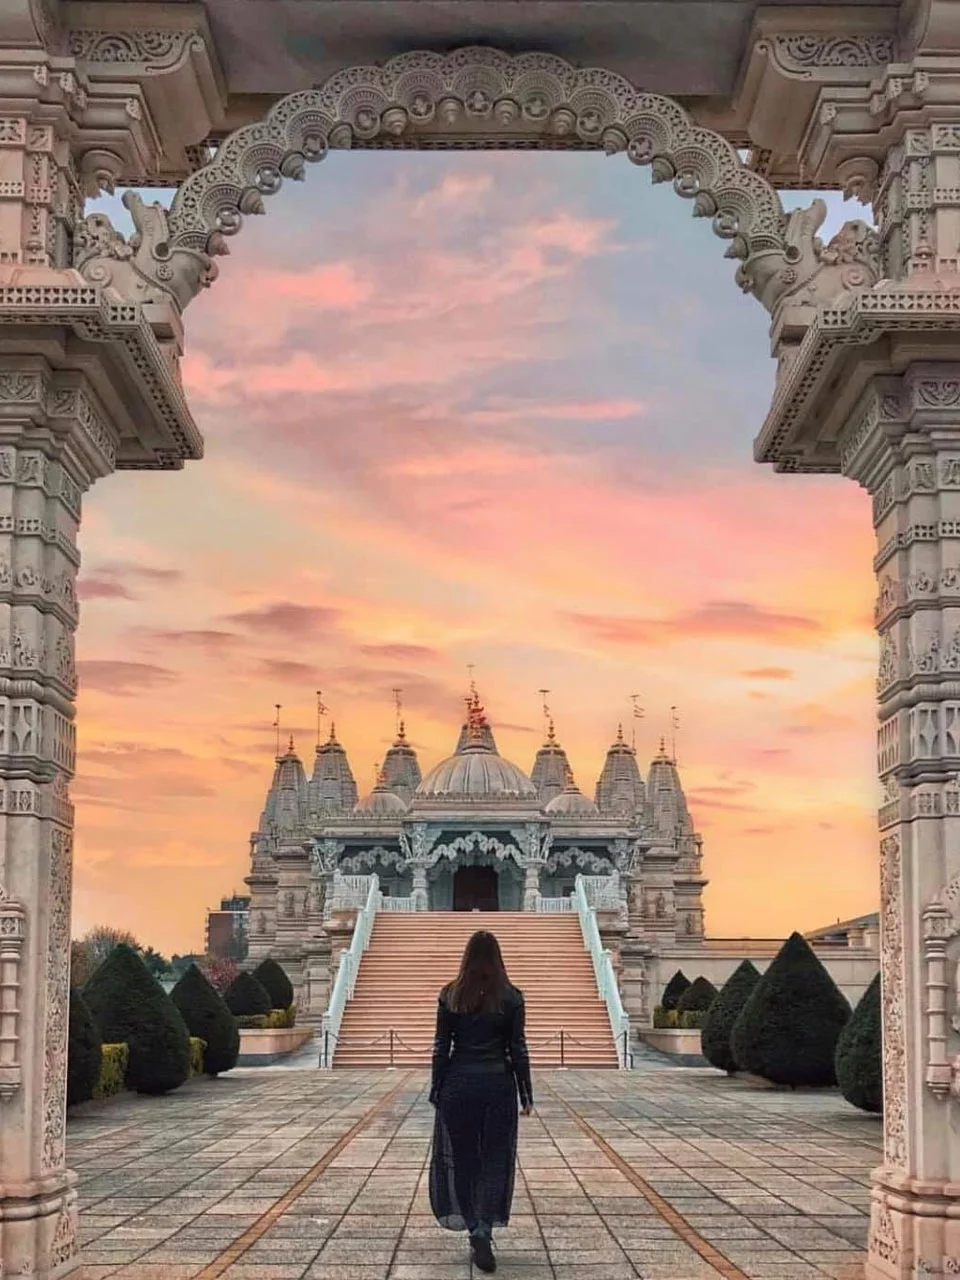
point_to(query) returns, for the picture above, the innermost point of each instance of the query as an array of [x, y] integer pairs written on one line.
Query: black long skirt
[[474, 1157]]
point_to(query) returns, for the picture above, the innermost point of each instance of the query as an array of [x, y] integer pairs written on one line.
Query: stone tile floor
[[222, 1179]]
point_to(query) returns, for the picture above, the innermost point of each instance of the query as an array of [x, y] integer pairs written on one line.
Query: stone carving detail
[[156, 50], [803, 272], [475, 840], [324, 855], [892, 980], [57, 994], [146, 268], [13, 921], [582, 859], [66, 1243], [883, 1243], [887, 671], [534, 100], [941, 924], [803, 53], [366, 859]]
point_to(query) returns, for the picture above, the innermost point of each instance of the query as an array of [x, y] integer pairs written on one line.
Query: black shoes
[[481, 1246]]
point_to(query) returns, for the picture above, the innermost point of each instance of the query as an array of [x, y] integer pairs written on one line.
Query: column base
[[914, 1228], [39, 1228]]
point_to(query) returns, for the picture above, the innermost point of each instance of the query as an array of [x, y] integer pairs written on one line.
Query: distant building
[[227, 928]]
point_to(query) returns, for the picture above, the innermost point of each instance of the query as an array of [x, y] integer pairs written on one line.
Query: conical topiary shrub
[[787, 1031], [208, 1018], [859, 1057], [698, 997], [270, 975], [84, 1051], [246, 997], [129, 1006], [723, 1013], [674, 990]]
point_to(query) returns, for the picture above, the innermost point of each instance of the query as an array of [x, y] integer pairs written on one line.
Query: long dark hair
[[482, 983]]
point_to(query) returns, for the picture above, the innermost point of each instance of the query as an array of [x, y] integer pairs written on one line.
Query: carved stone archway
[[478, 97]]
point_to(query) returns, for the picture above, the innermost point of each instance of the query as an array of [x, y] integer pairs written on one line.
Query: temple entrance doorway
[[475, 889]]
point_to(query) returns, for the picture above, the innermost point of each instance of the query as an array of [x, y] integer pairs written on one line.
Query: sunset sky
[[490, 409]]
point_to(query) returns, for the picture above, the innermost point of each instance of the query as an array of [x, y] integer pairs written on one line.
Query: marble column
[[421, 900], [904, 448], [531, 886], [53, 444]]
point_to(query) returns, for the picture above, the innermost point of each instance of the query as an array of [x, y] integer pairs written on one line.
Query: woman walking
[[480, 1064]]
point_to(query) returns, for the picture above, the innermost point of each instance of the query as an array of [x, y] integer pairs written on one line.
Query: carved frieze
[[809, 52], [147, 50], [892, 986], [56, 996]]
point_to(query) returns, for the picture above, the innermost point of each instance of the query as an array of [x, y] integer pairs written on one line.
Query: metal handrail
[[349, 967], [603, 971]]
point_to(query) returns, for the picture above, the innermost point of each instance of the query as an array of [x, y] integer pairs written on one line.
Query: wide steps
[[392, 1016]]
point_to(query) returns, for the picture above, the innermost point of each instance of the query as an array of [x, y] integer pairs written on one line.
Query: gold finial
[[290, 747], [333, 731], [476, 718], [398, 705], [276, 725], [551, 734], [663, 746], [568, 777], [401, 732], [620, 734], [379, 778]]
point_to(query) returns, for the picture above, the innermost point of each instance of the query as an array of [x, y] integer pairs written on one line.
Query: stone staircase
[[392, 1016]]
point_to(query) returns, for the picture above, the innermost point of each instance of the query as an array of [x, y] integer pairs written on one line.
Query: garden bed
[[260, 1047], [682, 1045]]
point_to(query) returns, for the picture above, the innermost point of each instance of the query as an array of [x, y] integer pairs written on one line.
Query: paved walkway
[[662, 1174]]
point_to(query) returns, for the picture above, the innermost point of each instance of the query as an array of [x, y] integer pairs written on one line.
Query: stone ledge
[[683, 1044], [260, 1048]]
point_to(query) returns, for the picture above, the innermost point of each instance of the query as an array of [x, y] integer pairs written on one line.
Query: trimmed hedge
[[84, 1051], [723, 1013], [859, 1057], [246, 997], [788, 1029], [253, 1021], [691, 1019], [207, 1016], [674, 990], [113, 1071], [282, 1017], [698, 997], [129, 1005], [664, 1019], [278, 986]]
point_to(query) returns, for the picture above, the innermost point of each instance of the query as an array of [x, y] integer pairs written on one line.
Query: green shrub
[[698, 997], [691, 1019], [859, 1057], [130, 1006], [723, 1013], [271, 976], [788, 1029], [207, 1016], [674, 990], [84, 1051], [197, 1048], [253, 1021], [113, 1071], [246, 996], [282, 1017], [664, 1019]]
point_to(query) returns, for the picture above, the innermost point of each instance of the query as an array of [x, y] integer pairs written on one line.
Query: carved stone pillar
[[53, 444], [904, 447], [531, 885], [419, 893]]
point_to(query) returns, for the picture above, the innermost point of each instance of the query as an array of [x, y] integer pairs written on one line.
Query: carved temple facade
[[475, 833], [729, 102]]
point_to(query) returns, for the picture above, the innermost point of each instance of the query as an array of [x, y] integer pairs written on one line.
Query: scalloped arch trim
[[477, 97]]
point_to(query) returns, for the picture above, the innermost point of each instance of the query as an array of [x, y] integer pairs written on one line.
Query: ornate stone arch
[[476, 98]]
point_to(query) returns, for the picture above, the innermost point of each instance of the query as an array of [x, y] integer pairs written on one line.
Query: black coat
[[483, 1038]]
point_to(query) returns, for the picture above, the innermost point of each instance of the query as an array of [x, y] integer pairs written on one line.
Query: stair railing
[[346, 979], [603, 971]]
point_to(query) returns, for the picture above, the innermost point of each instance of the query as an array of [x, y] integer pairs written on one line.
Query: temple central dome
[[476, 773]]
